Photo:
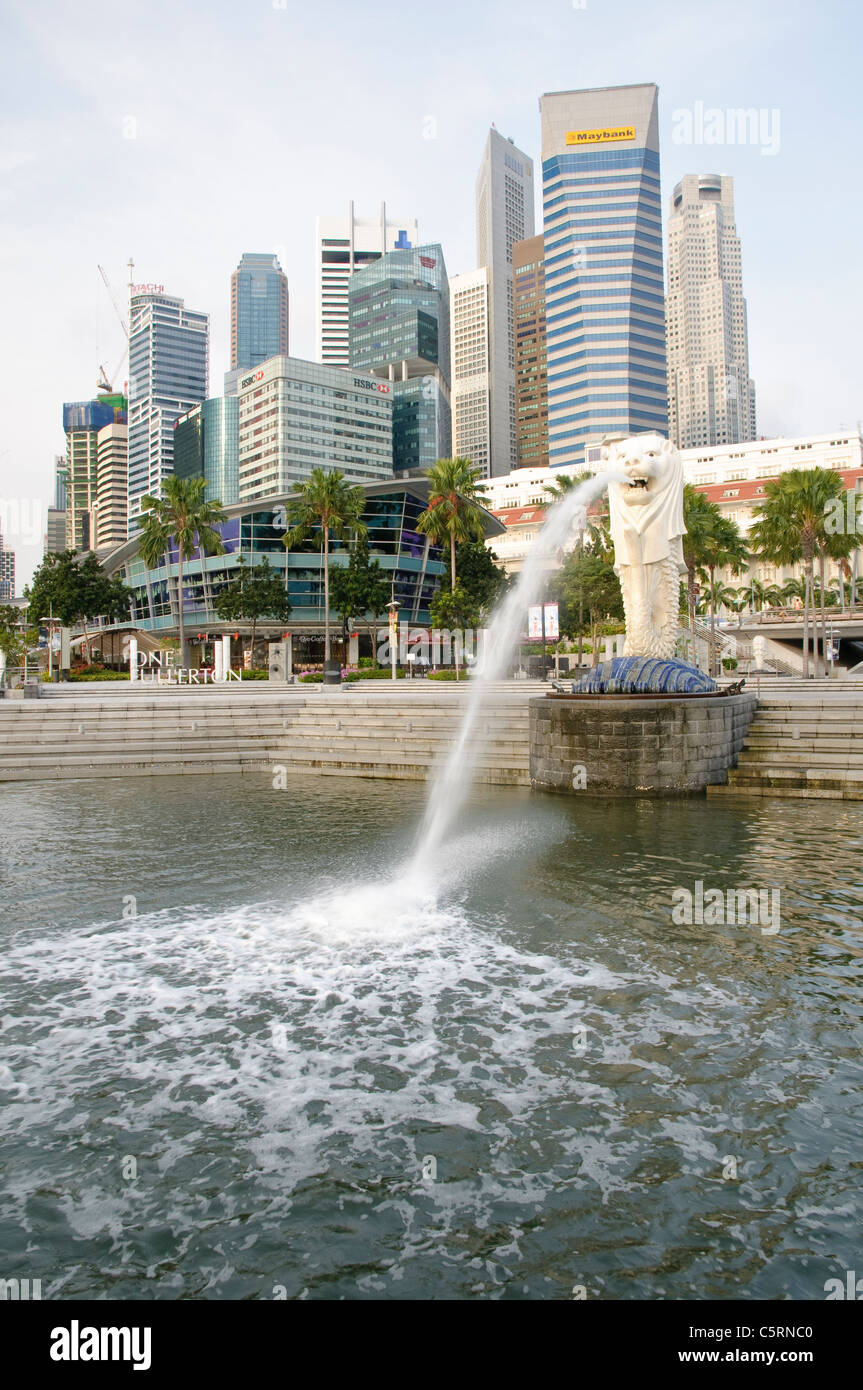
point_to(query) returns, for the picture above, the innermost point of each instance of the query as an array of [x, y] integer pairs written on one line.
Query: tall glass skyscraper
[[259, 311], [169, 349], [399, 330], [604, 284], [344, 246], [206, 445]]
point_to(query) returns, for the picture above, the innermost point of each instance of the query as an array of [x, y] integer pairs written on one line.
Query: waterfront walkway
[[806, 739]]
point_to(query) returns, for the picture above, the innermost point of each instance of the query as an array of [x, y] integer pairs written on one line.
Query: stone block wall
[[636, 746]]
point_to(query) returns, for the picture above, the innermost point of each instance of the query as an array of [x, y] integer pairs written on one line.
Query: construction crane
[[105, 383]]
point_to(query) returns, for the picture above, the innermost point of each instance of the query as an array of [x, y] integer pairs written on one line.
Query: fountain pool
[[241, 1059]]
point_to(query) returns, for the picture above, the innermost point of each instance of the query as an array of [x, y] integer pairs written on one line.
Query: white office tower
[[504, 215], [711, 398], [343, 245], [169, 350], [469, 368]]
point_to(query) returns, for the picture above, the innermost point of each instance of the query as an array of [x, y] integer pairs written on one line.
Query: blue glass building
[[412, 563], [206, 446], [259, 311], [604, 280], [168, 374], [399, 330]]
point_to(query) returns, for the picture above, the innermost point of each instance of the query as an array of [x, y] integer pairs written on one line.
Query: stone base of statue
[[656, 742]]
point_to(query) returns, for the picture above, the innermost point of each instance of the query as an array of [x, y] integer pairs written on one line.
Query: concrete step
[[751, 757]]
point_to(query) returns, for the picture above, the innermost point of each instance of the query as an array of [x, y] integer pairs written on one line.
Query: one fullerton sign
[[600, 137]]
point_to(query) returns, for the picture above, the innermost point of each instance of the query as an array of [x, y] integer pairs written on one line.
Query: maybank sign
[[600, 137]]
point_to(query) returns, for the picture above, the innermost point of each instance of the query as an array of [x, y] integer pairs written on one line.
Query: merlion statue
[[646, 522]]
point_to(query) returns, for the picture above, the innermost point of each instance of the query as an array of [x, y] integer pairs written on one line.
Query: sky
[[183, 134]]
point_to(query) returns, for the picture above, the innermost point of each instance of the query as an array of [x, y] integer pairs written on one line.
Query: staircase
[[392, 733], [805, 743]]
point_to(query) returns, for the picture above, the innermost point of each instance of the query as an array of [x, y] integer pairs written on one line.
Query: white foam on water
[[322, 1032]]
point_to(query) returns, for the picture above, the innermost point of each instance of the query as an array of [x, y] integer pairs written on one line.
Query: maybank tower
[[604, 284]]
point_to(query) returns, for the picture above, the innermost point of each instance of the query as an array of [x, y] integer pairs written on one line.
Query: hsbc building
[[296, 415]]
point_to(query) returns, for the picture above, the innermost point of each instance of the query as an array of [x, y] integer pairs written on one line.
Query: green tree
[[453, 513], [360, 589], [257, 593], [479, 575], [75, 589], [790, 527], [726, 550], [180, 515], [332, 506], [15, 636], [712, 541], [699, 516], [454, 610], [587, 584]]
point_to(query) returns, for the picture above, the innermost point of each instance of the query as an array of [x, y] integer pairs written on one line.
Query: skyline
[[97, 118]]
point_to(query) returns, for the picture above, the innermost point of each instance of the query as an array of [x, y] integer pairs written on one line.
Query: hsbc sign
[[381, 386], [250, 380]]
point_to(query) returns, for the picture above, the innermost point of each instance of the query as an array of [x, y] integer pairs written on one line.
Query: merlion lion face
[[648, 461]]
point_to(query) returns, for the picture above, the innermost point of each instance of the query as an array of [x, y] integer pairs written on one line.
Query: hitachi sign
[[382, 386]]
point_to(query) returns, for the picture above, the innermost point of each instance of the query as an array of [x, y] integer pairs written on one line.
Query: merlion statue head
[[645, 508]]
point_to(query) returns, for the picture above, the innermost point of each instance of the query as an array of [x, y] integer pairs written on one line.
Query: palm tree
[[699, 516], [790, 527], [793, 588], [726, 550], [721, 595], [453, 511], [774, 595], [180, 515], [329, 502]]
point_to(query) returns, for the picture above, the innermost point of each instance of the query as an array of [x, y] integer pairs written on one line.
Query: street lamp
[[393, 610]]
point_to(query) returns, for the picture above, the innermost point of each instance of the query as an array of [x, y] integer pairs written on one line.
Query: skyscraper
[[531, 371], [7, 573], [345, 245], [605, 299], [206, 446], [504, 215], [55, 521], [711, 398], [83, 422], [471, 396], [399, 330], [112, 485], [259, 310], [294, 416], [168, 373]]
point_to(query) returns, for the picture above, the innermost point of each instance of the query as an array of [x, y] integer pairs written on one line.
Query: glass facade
[[259, 311], [168, 372], [399, 329], [604, 280], [206, 446], [410, 561], [422, 423]]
